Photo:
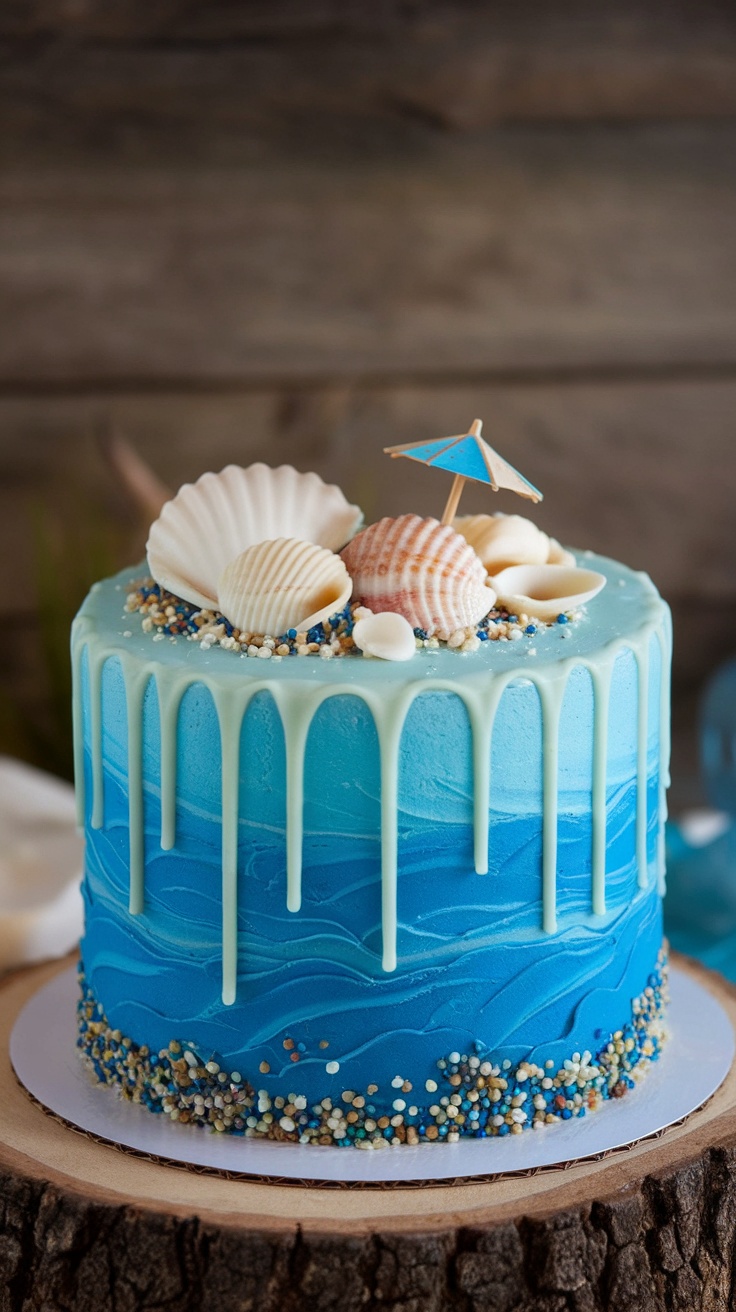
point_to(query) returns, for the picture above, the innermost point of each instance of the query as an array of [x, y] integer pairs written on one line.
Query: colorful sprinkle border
[[472, 1097]]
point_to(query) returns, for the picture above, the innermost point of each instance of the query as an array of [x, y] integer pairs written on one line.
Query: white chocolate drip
[[297, 706]]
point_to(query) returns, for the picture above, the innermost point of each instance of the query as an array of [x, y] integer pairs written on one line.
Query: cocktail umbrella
[[467, 456]]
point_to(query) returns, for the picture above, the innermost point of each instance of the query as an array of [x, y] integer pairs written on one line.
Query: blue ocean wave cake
[[374, 818]]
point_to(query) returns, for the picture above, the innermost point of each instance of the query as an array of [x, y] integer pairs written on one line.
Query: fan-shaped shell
[[505, 540], [210, 522], [386, 635], [547, 590], [421, 569], [285, 584]]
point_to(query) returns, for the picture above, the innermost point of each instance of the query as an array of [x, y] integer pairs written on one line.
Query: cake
[[394, 881]]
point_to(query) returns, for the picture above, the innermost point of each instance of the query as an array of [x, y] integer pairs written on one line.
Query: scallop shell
[[285, 584], [547, 590], [504, 540], [421, 569], [210, 522], [387, 635]]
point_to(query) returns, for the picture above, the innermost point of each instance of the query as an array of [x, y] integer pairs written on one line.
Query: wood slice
[[85, 1227]]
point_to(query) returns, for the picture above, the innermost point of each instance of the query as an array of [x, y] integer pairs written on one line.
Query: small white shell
[[210, 522], [280, 585], [387, 635], [41, 860], [547, 590], [421, 569]]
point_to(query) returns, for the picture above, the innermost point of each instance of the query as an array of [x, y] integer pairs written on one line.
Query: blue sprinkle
[[503, 1129], [566, 1114], [291, 634], [530, 628], [562, 619], [482, 635]]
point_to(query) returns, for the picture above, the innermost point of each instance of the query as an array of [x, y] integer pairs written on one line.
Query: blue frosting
[[475, 971]]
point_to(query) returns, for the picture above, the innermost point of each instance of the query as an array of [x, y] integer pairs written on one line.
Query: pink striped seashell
[[420, 569]]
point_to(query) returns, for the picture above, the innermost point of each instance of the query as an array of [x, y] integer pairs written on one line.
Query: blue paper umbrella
[[467, 456]]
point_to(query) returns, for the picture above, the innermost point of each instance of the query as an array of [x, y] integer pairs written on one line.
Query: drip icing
[[169, 699], [550, 696], [230, 715], [664, 635], [95, 733], [642, 733], [601, 692], [297, 704], [135, 691]]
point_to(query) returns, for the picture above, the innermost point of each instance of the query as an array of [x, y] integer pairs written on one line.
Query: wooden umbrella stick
[[458, 484]]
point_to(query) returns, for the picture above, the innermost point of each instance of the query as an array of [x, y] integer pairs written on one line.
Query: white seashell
[[547, 590], [284, 584], [210, 522], [559, 555], [386, 635], [503, 540], [421, 569], [41, 859]]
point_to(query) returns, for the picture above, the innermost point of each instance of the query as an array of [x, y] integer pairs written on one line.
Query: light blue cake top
[[629, 604]]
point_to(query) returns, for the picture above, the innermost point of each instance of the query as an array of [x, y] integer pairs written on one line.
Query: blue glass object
[[700, 908], [718, 739]]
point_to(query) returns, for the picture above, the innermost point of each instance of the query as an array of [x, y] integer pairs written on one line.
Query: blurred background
[[305, 229]]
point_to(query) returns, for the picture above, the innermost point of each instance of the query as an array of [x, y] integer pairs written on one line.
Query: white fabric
[[41, 858]]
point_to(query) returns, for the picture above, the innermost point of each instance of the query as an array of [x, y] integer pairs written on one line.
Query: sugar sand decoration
[[165, 616]]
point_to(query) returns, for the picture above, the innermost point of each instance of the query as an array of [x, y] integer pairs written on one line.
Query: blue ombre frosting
[[517, 962]]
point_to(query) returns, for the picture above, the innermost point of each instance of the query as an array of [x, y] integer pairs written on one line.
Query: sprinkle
[[164, 615], [182, 1085]]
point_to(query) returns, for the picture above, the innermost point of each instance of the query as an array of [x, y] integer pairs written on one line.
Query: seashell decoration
[[503, 540], [559, 555], [386, 635], [546, 591], [284, 584], [210, 522], [421, 569]]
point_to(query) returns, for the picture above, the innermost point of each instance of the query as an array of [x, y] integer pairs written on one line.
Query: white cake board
[[694, 1063]]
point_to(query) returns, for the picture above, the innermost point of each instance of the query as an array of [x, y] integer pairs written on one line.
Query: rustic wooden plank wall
[[304, 230]]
